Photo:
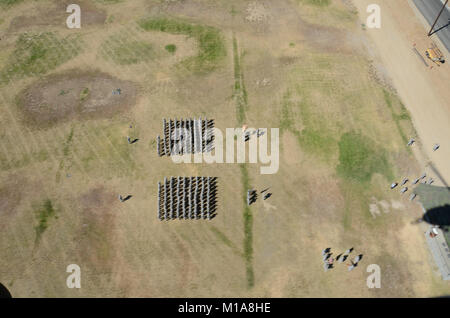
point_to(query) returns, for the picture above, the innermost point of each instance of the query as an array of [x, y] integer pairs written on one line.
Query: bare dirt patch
[[75, 95], [97, 225], [328, 39], [10, 197], [257, 12]]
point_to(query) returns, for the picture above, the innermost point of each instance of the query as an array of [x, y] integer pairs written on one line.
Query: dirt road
[[425, 91], [430, 10]]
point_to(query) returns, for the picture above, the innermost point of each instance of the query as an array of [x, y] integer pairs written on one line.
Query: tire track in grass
[[240, 97]]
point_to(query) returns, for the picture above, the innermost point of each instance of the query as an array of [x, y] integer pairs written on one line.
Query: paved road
[[430, 9], [441, 253]]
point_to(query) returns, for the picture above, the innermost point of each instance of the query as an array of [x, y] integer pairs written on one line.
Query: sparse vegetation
[[43, 213], [84, 94], [124, 51], [39, 53], [317, 141], [223, 238], [88, 88], [318, 3], [73, 123], [240, 93], [9, 2], [23, 160], [360, 158], [68, 143], [248, 228], [210, 41], [398, 115], [171, 48]]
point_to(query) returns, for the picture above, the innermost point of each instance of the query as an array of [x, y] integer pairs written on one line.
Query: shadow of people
[[4, 292], [134, 141], [128, 197], [439, 216]]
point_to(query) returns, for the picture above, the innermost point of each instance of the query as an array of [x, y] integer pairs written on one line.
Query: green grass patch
[[210, 41], [398, 112], [240, 96], [37, 54], [233, 11], [286, 117], [315, 137], [5, 3], [239, 91], [317, 3], [110, 19], [317, 141], [171, 48], [43, 213], [360, 158], [248, 228], [68, 143], [84, 94], [125, 51]]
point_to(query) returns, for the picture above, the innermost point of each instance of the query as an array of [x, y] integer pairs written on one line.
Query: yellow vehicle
[[434, 54]]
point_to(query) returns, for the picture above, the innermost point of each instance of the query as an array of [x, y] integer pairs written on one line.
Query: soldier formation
[[186, 136], [187, 198]]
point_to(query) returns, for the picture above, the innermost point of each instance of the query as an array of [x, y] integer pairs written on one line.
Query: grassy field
[[211, 46], [38, 54], [342, 143]]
